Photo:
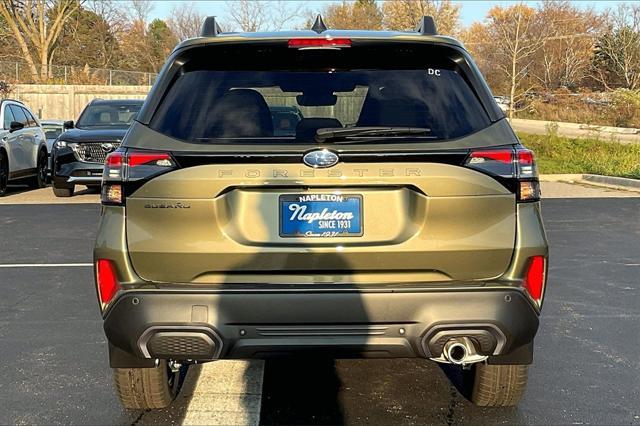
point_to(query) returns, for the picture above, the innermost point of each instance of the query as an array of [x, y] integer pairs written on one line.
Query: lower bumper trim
[[182, 342], [199, 325]]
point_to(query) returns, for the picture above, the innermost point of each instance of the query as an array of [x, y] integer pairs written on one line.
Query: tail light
[[107, 281], [125, 170], [535, 278], [514, 166]]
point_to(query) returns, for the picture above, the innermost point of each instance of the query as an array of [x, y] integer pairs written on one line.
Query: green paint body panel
[[448, 223]]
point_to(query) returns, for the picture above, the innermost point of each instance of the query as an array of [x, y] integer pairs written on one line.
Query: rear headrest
[[241, 113], [394, 112], [306, 128]]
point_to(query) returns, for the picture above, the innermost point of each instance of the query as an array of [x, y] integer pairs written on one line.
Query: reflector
[[108, 284], [534, 281]]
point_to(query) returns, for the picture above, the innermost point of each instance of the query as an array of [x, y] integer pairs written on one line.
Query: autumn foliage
[[525, 51]]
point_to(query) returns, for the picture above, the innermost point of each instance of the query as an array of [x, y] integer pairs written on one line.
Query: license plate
[[320, 215]]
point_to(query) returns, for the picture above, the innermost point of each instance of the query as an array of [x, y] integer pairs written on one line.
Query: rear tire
[[146, 388], [498, 385], [66, 191], [40, 179]]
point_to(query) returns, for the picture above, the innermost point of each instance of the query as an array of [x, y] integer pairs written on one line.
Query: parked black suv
[[79, 153]]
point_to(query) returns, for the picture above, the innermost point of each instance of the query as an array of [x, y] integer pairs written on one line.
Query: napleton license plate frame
[[324, 204]]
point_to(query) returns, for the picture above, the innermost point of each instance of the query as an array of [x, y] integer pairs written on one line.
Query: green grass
[[555, 154]]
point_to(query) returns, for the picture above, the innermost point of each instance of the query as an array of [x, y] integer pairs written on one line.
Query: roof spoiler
[[210, 27], [427, 26]]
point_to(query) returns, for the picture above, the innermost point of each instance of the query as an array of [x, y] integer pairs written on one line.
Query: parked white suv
[[23, 150]]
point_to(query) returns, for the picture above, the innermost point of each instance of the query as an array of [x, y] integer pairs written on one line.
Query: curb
[[612, 182], [609, 129], [632, 184]]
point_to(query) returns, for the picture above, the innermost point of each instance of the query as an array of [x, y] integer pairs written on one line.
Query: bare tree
[[283, 13], [617, 58], [185, 21], [112, 12], [517, 34], [250, 15], [565, 56], [247, 14], [140, 10], [36, 26]]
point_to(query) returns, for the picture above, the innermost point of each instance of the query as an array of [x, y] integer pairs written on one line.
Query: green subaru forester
[[320, 193]]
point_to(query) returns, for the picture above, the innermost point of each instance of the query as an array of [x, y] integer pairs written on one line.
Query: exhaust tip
[[460, 350], [457, 353]]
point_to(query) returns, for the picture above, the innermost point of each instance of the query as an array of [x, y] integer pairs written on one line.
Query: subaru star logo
[[107, 147], [320, 159]]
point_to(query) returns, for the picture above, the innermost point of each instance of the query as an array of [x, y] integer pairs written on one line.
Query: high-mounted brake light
[[107, 280], [123, 166], [535, 278], [319, 43]]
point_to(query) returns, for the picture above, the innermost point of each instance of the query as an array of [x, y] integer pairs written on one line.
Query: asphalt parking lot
[[586, 367]]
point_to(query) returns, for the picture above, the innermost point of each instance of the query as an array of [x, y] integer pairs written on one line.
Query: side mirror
[[16, 125], [68, 125]]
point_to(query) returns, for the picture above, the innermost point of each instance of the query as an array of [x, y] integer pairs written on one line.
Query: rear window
[[282, 95]]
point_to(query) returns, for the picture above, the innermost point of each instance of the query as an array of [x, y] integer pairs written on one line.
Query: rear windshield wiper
[[329, 133]]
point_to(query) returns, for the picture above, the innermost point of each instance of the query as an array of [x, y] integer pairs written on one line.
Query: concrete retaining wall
[[65, 102]]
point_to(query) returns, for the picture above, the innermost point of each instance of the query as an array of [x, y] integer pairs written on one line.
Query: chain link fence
[[21, 73]]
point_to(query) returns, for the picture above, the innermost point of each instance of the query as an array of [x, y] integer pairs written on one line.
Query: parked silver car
[[23, 150]]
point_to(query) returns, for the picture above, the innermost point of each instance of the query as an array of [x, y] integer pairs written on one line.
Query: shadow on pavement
[[301, 391]]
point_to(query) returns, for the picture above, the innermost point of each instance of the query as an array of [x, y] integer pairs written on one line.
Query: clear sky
[[472, 10]]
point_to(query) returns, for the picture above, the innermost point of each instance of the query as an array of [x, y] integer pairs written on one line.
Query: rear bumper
[[388, 323]]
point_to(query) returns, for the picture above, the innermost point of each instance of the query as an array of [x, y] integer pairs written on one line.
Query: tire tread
[[499, 385], [143, 388], [63, 192]]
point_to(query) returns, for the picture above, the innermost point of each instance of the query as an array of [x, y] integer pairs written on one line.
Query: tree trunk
[[514, 77], [44, 65]]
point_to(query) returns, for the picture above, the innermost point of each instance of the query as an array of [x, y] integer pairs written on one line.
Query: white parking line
[[46, 265]]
